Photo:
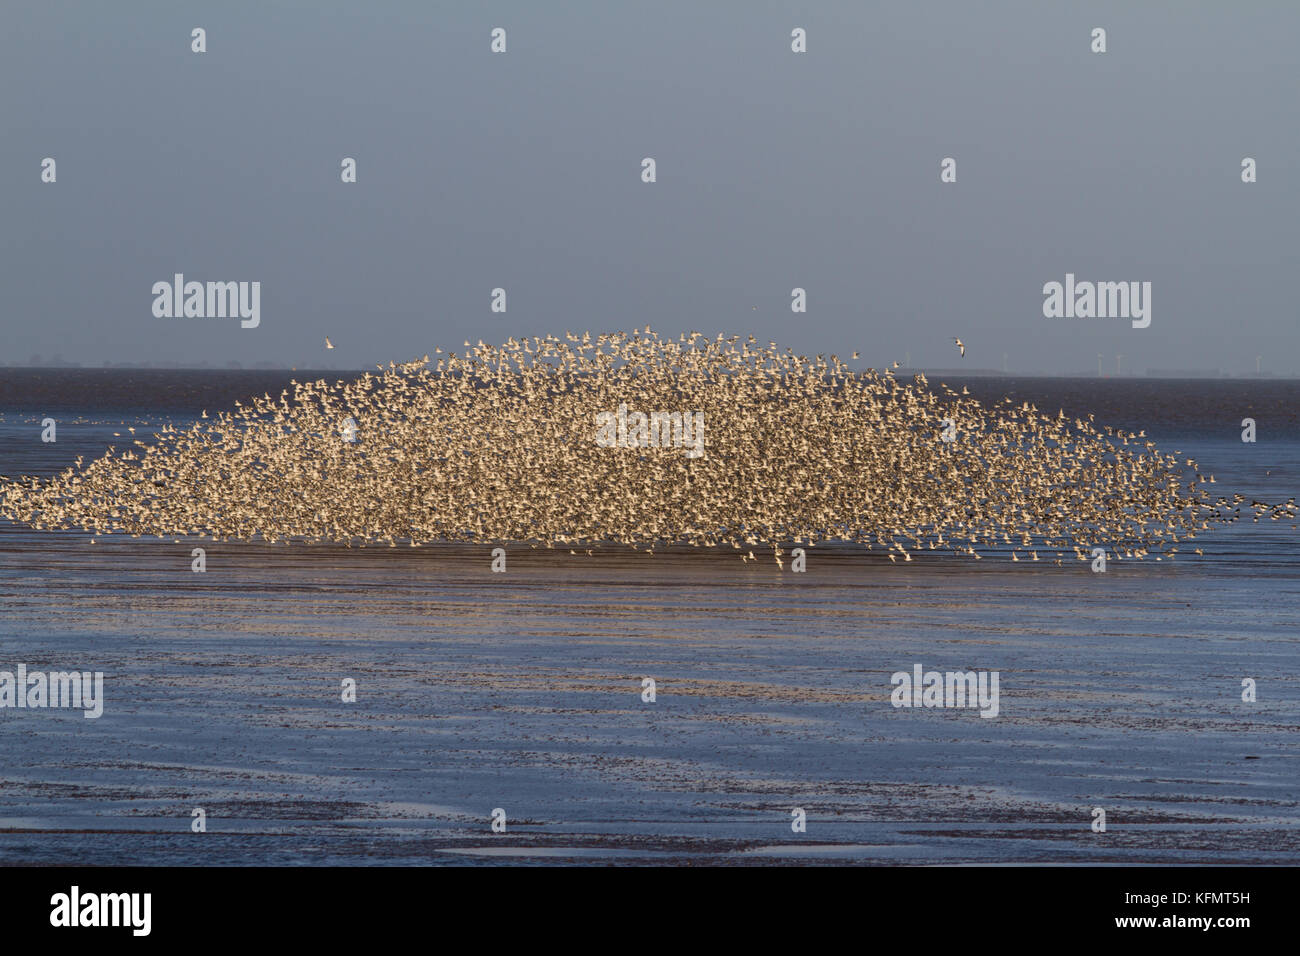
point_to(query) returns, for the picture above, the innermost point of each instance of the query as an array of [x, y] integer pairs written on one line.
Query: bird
[[961, 346], [328, 343], [499, 443]]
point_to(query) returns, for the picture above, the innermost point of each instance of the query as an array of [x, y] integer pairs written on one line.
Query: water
[[522, 691]]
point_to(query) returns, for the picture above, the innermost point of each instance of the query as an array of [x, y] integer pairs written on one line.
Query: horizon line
[[903, 371]]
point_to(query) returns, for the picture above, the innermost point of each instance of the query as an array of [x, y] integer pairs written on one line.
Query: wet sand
[[523, 691]]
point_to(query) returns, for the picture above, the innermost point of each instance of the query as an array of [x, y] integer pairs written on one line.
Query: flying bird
[[1023, 476], [328, 343], [962, 346]]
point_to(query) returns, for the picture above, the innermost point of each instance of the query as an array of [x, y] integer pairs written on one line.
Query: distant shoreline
[[1171, 375]]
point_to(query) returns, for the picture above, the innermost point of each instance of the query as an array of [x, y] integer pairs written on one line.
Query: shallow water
[[523, 690]]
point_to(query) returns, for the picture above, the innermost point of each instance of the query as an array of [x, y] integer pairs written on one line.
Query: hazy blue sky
[[775, 170]]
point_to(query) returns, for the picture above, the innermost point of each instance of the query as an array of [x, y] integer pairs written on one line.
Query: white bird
[[961, 346], [328, 343]]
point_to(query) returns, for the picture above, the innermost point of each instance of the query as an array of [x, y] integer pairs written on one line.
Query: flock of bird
[[498, 444]]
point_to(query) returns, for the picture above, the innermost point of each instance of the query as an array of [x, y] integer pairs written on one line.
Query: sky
[[775, 170]]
